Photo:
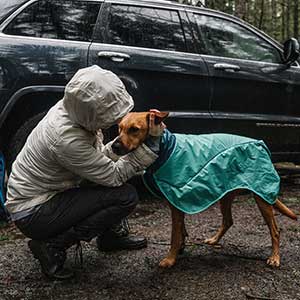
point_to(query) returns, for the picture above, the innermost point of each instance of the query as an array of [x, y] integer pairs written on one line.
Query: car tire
[[19, 138]]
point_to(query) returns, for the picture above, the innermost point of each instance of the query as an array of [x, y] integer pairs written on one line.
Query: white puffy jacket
[[66, 146]]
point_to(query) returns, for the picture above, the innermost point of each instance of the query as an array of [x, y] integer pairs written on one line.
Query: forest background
[[279, 19]]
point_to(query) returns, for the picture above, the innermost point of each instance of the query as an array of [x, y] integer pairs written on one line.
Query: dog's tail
[[284, 210]]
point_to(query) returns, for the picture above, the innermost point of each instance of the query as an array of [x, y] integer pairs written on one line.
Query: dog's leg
[[225, 205], [184, 231], [268, 214], [184, 235], [176, 239]]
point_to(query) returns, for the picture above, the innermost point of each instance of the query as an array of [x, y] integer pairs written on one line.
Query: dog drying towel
[[195, 171]]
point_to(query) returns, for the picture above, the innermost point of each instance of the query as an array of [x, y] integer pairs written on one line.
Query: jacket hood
[[96, 98]]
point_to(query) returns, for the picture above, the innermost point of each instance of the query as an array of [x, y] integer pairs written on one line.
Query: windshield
[[8, 6]]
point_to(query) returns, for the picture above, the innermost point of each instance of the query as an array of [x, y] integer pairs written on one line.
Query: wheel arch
[[23, 105]]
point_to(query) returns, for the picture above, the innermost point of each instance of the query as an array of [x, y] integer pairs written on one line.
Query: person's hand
[[155, 129]]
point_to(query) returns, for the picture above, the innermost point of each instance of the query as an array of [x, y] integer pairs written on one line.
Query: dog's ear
[[159, 115]]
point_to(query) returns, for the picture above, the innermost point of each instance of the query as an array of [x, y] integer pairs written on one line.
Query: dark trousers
[[86, 212]]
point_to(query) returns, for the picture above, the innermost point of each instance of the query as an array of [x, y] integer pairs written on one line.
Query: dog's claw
[[167, 263], [274, 261]]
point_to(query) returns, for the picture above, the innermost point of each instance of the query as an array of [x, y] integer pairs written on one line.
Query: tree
[[296, 19], [240, 9], [279, 18]]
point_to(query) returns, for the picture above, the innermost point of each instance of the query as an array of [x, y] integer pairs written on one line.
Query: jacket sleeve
[[152, 143], [90, 163], [106, 149]]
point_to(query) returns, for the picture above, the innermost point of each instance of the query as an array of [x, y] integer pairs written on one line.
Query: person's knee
[[129, 197]]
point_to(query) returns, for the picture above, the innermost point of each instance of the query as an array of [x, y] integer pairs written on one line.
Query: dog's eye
[[133, 129]]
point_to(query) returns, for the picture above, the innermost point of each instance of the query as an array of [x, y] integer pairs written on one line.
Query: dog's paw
[[211, 241], [274, 261], [167, 263]]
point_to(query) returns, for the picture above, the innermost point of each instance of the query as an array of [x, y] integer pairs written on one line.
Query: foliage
[[280, 19]]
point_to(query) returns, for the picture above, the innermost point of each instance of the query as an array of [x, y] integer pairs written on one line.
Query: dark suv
[[214, 72]]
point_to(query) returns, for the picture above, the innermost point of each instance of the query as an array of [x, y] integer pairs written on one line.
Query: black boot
[[118, 238], [52, 255]]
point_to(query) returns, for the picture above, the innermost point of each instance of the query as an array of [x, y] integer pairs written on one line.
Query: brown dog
[[133, 131]]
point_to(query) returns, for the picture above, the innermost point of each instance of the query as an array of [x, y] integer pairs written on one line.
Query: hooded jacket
[[67, 145]]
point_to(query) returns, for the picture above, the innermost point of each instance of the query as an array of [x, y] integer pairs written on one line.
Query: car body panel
[[156, 78], [25, 91], [33, 61], [255, 99], [259, 100]]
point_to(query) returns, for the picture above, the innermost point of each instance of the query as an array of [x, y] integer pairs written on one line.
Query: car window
[[68, 20], [220, 37], [145, 27]]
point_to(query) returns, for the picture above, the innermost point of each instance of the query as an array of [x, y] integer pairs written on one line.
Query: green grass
[[3, 237]]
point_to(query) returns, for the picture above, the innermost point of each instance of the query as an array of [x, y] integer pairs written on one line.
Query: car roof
[[163, 2], [175, 4]]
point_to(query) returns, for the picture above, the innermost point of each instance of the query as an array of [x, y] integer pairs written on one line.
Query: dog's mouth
[[119, 149]]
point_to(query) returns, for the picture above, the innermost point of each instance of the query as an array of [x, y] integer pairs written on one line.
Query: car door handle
[[227, 67], [114, 56]]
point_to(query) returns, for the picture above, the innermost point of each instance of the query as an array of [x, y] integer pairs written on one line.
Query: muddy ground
[[236, 270]]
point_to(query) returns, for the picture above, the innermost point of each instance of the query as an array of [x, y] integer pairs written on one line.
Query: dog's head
[[134, 129]]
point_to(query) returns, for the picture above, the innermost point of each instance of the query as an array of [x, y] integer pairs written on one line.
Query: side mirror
[[290, 51]]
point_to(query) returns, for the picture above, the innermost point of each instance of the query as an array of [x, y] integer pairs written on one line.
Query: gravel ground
[[235, 270]]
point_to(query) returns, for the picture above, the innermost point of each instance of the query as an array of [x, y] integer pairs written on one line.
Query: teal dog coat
[[195, 171]]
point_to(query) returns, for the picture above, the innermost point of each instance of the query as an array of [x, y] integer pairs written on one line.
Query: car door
[[252, 90], [148, 47], [293, 107], [295, 110]]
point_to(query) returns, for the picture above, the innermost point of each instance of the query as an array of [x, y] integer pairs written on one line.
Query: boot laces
[[122, 229], [78, 254]]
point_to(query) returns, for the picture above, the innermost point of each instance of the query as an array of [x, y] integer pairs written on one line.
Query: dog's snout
[[116, 145], [118, 148]]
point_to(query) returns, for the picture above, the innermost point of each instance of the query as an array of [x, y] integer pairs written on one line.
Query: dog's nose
[[116, 146]]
